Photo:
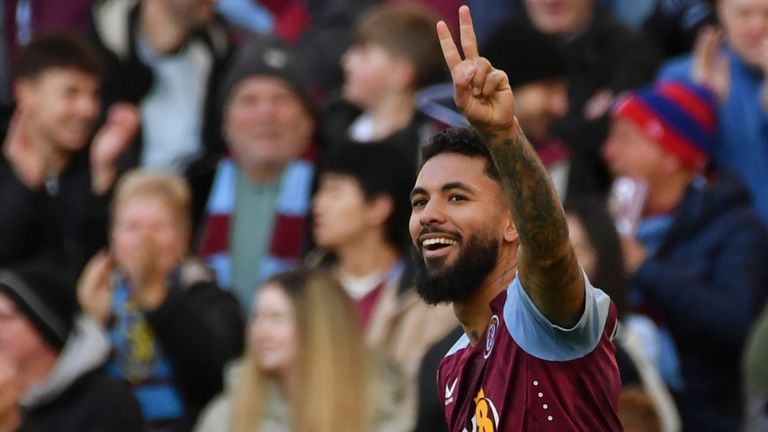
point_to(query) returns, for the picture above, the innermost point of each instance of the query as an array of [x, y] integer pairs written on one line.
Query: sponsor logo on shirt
[[486, 418]]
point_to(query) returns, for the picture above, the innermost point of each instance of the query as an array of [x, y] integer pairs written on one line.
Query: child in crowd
[[395, 53]]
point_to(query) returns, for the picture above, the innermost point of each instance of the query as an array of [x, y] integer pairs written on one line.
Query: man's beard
[[462, 279]]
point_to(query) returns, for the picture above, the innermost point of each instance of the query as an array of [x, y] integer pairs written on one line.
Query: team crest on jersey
[[491, 335], [486, 418]]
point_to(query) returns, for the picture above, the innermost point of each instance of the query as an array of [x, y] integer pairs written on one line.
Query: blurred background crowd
[[206, 205]]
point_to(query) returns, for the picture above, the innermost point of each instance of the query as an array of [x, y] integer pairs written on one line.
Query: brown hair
[[333, 361], [406, 30], [170, 188], [58, 50]]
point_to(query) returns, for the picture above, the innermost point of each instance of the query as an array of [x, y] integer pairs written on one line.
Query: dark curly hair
[[462, 140]]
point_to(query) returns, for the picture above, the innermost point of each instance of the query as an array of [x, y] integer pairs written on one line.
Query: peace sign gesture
[[481, 92]]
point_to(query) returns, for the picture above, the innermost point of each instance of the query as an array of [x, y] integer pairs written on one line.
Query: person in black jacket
[[54, 190], [605, 58], [52, 373], [172, 328]]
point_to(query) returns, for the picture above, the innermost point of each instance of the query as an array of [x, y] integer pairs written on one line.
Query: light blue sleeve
[[535, 334], [247, 14]]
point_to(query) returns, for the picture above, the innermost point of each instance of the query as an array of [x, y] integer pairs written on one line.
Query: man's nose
[[433, 213]]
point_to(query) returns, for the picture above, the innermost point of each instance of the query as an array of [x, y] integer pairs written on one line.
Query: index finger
[[450, 52], [467, 32]]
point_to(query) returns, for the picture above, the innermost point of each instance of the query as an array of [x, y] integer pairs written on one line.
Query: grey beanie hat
[[266, 56]]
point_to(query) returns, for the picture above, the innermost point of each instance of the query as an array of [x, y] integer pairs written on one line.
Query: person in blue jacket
[[698, 260], [733, 64]]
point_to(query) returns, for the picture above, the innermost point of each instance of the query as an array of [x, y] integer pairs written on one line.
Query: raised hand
[[111, 141], [94, 289], [147, 275], [481, 92], [711, 67]]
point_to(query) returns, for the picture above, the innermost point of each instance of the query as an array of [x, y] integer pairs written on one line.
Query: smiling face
[[457, 226], [274, 332], [266, 125], [62, 104]]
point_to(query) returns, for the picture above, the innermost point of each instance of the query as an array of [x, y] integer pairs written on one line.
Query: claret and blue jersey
[[527, 374]]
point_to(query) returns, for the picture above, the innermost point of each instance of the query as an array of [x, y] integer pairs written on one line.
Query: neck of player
[[475, 313]]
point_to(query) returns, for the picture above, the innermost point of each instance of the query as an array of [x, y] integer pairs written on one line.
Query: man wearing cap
[[698, 262], [51, 374], [254, 223]]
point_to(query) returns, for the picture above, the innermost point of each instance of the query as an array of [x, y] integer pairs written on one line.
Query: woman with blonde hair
[[306, 368]]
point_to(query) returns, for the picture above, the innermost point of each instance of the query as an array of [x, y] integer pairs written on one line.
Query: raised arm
[[547, 264]]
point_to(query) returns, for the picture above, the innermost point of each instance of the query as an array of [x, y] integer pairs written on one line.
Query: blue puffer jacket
[[706, 283]]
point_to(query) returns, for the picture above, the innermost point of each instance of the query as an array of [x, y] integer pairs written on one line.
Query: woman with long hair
[[306, 368]]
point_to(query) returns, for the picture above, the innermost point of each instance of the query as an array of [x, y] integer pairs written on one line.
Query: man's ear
[[380, 209], [510, 231]]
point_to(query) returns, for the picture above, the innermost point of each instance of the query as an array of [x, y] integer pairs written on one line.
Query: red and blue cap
[[680, 117]]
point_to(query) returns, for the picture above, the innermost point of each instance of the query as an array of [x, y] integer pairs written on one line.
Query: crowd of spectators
[[207, 203]]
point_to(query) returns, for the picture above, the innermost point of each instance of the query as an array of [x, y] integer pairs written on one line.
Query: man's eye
[[455, 198], [418, 203]]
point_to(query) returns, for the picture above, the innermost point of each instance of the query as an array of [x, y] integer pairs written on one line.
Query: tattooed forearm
[[548, 266], [533, 201]]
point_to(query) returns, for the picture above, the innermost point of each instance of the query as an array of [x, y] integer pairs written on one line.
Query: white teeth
[[441, 240]]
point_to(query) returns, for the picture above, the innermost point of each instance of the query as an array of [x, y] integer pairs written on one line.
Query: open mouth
[[435, 247], [437, 243]]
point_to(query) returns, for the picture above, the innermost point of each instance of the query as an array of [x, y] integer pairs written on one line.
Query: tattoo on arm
[[532, 199], [548, 265], [474, 336]]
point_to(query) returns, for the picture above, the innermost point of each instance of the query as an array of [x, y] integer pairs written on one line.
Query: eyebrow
[[446, 187]]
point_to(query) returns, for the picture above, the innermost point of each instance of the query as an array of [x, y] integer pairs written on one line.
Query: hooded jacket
[[78, 395]]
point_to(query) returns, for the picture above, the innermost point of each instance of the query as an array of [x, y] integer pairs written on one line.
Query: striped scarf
[[288, 232], [138, 360]]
